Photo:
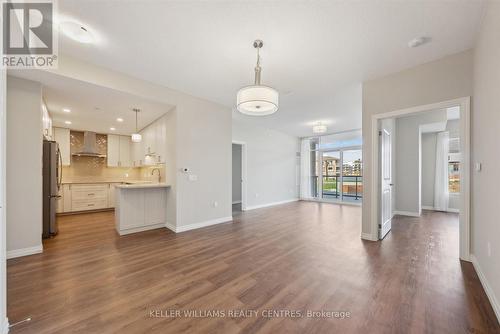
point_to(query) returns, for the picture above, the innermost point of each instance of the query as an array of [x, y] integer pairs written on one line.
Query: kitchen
[[88, 169]]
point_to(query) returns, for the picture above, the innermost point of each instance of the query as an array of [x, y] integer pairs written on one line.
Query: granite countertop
[[142, 185]]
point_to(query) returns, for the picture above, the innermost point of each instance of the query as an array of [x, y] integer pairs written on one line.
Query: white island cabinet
[[140, 207]]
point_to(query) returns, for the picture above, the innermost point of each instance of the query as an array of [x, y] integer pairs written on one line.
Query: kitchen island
[[140, 207]]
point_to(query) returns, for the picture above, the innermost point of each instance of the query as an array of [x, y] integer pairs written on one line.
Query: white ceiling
[[93, 107], [316, 53]]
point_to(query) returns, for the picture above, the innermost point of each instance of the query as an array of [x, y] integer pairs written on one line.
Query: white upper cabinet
[[47, 123], [125, 151], [137, 154], [152, 148], [149, 138], [119, 151], [62, 137], [113, 150], [161, 139]]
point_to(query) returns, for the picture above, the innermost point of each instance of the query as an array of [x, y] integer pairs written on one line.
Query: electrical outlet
[[256, 195], [216, 204], [489, 248]]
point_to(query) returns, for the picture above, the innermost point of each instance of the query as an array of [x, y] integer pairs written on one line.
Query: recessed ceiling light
[[76, 32], [112, 129], [67, 122], [319, 128], [417, 41], [119, 119], [66, 110]]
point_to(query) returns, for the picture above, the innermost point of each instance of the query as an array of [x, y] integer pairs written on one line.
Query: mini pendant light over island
[[136, 137], [257, 99]]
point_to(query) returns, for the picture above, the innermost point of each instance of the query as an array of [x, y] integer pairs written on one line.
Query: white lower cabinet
[[85, 197], [140, 208], [131, 213], [154, 202]]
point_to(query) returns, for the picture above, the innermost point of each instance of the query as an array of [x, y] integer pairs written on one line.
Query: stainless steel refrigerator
[[52, 177]]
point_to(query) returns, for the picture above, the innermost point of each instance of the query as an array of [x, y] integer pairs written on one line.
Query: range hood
[[89, 146]]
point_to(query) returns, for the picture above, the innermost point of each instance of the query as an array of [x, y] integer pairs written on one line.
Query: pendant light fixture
[[136, 137], [319, 128], [257, 99]]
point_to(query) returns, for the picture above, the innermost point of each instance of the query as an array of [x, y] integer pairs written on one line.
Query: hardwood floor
[[294, 257]]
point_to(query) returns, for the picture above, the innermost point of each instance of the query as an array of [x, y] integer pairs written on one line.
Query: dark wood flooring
[[289, 258]]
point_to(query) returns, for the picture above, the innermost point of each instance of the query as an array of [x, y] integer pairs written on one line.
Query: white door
[[386, 177]]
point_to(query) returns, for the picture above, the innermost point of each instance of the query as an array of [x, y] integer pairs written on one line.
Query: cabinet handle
[[90, 194], [90, 204]]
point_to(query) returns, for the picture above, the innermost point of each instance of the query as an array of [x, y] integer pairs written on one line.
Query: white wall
[[171, 166], [485, 120], [4, 323], [428, 168], [407, 187], [441, 80], [203, 146], [236, 173], [24, 166], [271, 164]]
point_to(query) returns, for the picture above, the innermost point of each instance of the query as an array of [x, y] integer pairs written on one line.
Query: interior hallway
[[297, 256]]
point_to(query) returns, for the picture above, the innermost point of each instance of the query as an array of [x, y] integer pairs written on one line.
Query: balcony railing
[[352, 186]]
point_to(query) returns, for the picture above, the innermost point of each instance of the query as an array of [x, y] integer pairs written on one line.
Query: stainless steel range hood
[[89, 146]]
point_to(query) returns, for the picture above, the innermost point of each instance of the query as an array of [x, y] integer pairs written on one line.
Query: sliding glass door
[[352, 175], [332, 168], [341, 176], [331, 175]]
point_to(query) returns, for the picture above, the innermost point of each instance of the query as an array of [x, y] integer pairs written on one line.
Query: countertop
[[142, 185], [104, 181]]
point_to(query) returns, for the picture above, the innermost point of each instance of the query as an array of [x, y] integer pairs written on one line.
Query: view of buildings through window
[[453, 176], [336, 167]]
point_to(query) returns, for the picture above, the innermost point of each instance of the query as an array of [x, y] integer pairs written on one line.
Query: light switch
[[193, 177], [477, 166]]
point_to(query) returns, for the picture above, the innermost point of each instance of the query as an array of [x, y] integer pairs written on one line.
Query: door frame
[[243, 173], [464, 216]]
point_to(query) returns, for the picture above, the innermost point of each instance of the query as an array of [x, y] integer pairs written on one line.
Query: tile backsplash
[[95, 169]]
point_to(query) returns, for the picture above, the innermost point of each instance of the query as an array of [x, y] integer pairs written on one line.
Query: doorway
[[238, 194], [421, 166]]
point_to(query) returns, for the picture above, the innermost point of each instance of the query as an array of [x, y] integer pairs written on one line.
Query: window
[[335, 168], [453, 177]]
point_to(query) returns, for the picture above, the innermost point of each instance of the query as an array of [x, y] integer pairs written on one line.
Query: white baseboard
[[433, 209], [194, 226], [270, 204], [487, 287], [368, 236], [24, 251], [5, 326], [406, 213], [170, 226], [141, 229], [236, 202]]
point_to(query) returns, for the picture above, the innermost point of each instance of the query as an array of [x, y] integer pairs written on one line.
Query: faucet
[[159, 173]]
